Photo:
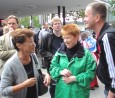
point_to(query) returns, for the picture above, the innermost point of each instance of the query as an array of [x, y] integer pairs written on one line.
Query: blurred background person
[[49, 45], [6, 46], [1, 30], [3, 23], [90, 43], [44, 32]]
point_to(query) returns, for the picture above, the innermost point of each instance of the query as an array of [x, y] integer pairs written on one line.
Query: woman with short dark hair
[[19, 78]]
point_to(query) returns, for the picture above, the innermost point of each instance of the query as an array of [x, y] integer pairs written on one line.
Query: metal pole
[[31, 20], [58, 11], [63, 15]]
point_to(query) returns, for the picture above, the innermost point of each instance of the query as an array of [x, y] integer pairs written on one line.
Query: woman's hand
[[47, 79], [27, 83], [69, 79], [30, 82], [65, 73]]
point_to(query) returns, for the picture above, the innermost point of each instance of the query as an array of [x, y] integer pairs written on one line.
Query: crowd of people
[[73, 59]]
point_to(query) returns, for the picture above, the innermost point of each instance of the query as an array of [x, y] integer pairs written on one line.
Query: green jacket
[[82, 65]]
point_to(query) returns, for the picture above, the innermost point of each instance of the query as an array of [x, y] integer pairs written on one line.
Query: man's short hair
[[55, 19], [99, 8], [12, 17]]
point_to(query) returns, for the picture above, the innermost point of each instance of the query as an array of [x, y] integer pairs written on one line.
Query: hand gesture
[[65, 73], [30, 82], [69, 79], [47, 79]]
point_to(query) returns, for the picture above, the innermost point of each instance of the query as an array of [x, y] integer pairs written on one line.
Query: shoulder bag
[[42, 89]]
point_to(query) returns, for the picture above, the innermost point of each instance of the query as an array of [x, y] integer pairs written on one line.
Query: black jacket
[[45, 49], [106, 66]]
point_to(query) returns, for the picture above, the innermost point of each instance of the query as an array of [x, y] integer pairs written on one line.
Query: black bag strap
[[36, 60]]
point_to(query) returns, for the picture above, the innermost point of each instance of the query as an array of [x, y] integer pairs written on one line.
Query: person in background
[[72, 66], [6, 46], [83, 37], [95, 19], [1, 30], [12, 22], [49, 45], [30, 27], [4, 26], [19, 78], [43, 32], [89, 42]]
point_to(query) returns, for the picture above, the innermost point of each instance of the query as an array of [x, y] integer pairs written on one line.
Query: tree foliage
[[112, 6], [25, 21], [35, 21]]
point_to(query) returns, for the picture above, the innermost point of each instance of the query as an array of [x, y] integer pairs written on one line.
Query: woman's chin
[[69, 47]]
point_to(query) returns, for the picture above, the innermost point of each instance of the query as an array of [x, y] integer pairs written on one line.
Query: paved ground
[[97, 93]]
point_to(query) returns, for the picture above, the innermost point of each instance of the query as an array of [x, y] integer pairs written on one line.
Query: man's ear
[[98, 17]]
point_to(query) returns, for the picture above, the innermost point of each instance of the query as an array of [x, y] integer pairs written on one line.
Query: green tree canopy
[[26, 21], [112, 6]]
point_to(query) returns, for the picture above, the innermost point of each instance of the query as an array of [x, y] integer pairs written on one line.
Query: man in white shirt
[[44, 32]]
